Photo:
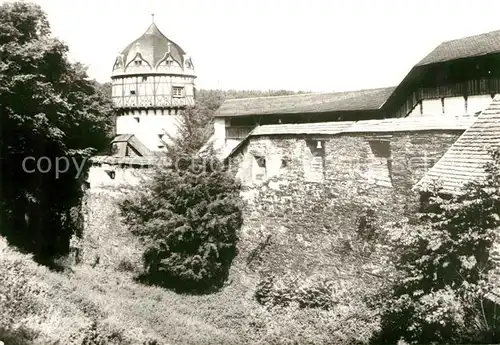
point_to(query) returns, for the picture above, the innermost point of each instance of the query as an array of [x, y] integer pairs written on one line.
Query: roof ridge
[[311, 93], [438, 119], [470, 36], [463, 47]]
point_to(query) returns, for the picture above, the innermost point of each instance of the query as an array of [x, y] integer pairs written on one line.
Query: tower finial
[[153, 17]]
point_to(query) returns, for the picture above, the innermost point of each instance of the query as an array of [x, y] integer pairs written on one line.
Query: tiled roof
[[153, 45], [146, 156], [477, 45], [421, 123], [411, 124], [303, 128], [132, 140], [122, 138], [464, 161], [370, 99], [407, 124]]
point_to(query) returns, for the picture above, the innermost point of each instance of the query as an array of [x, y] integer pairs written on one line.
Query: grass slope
[[87, 306]]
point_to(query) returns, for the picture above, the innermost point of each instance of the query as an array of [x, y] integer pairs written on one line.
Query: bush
[[316, 292], [189, 219], [99, 334], [125, 266], [443, 260], [20, 336]]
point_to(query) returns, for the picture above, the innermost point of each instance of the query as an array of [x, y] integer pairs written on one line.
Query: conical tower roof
[[153, 46]]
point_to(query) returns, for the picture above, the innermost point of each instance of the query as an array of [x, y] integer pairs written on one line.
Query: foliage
[[136, 313], [336, 308], [196, 123], [317, 292], [444, 260], [48, 108], [194, 128], [98, 334], [189, 219]]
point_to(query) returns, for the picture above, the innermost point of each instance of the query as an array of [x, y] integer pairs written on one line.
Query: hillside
[[85, 306], [66, 308]]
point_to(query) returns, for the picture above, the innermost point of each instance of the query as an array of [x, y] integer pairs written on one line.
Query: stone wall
[[116, 176], [306, 200], [106, 241]]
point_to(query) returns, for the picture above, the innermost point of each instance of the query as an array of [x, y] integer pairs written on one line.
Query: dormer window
[[177, 91]]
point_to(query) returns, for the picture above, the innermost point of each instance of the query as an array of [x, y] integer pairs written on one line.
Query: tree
[[189, 219], [190, 213], [210, 99], [194, 128], [444, 261], [50, 113]]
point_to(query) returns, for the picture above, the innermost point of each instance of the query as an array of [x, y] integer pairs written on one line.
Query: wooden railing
[[469, 88]]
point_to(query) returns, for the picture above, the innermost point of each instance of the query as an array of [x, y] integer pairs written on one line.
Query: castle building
[[152, 82], [459, 77]]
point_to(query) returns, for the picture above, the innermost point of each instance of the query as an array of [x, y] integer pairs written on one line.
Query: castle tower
[[153, 81]]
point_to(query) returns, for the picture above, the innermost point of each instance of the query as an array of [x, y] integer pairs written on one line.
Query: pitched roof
[[421, 123], [135, 143], [487, 43], [146, 157], [302, 128], [153, 45], [122, 138], [370, 99], [407, 124], [464, 161]]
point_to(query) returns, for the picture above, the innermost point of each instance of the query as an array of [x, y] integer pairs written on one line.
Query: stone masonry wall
[[292, 225], [106, 241], [304, 200]]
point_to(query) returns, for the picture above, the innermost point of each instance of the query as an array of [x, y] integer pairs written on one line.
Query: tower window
[[132, 92], [177, 91], [138, 62]]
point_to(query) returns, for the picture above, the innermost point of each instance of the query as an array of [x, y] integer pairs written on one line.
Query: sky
[[308, 45]]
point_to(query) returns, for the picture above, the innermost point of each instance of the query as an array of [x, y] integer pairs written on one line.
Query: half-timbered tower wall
[[152, 83]]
